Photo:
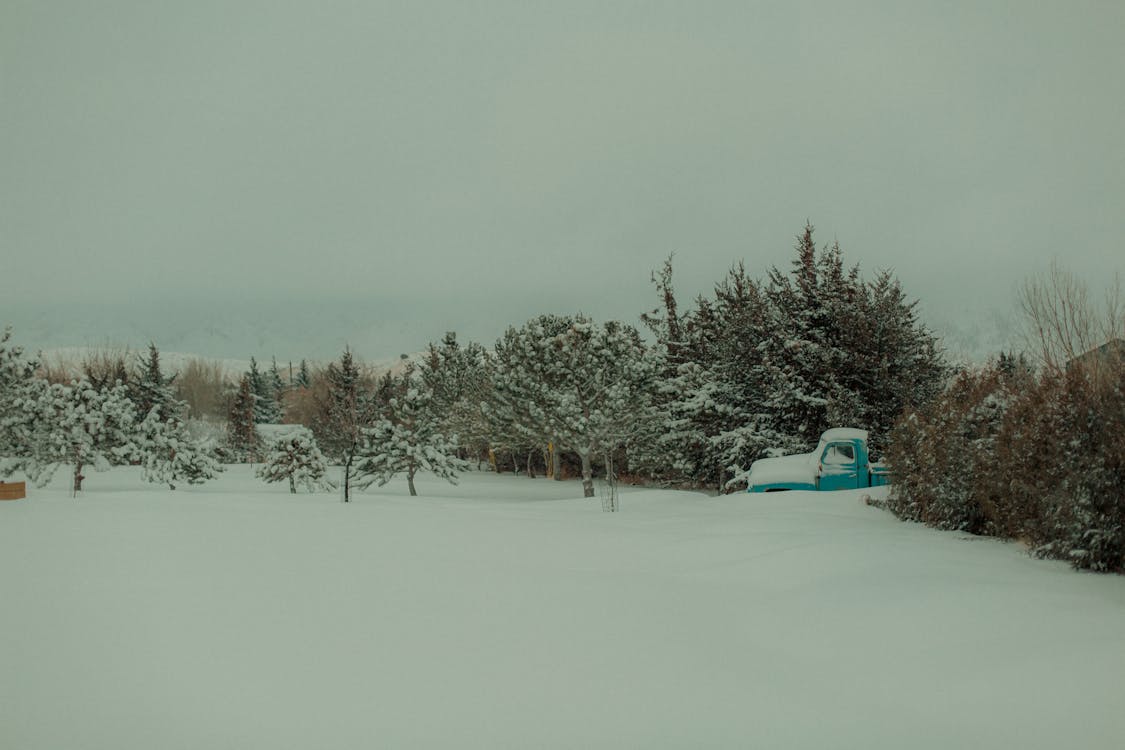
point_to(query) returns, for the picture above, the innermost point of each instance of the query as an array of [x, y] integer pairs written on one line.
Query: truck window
[[839, 453]]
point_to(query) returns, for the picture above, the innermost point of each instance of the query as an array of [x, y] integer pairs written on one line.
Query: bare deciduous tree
[[202, 384], [1064, 326]]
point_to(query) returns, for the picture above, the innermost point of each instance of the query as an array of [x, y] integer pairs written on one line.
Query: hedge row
[[1039, 458]]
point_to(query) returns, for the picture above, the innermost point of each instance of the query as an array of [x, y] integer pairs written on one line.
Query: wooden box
[[12, 490]]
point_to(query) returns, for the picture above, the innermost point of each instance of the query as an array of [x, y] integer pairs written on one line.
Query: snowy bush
[[1063, 469], [296, 458], [940, 454], [1041, 459]]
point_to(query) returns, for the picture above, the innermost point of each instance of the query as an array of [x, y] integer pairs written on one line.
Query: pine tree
[[456, 379], [585, 387], [765, 366], [303, 379], [79, 426], [242, 437], [20, 393], [347, 409], [295, 457], [266, 410], [408, 439], [169, 454], [276, 388], [150, 390]]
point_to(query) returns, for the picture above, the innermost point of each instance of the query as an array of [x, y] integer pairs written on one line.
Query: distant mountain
[[287, 332]]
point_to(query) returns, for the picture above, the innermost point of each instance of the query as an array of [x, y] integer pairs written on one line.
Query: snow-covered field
[[512, 613]]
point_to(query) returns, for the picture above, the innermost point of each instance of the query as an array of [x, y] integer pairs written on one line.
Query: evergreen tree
[[79, 426], [20, 393], [295, 457], [169, 454], [456, 379], [345, 411], [150, 390], [242, 437], [585, 387], [766, 366], [303, 379], [277, 389], [407, 439], [266, 409]]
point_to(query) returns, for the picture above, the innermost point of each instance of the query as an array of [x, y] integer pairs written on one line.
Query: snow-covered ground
[[512, 613]]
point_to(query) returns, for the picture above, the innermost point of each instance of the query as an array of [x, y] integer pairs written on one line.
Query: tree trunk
[[410, 481], [77, 478], [610, 503], [347, 477], [587, 476], [556, 462], [292, 486], [530, 468]]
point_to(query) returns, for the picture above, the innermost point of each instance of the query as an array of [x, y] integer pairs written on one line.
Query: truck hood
[[790, 472]]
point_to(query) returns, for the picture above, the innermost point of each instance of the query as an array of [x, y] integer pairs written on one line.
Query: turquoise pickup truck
[[840, 462]]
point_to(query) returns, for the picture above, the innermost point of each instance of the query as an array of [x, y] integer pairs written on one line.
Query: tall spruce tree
[[276, 388], [150, 389], [765, 366], [266, 409], [456, 380], [242, 436], [345, 411], [303, 378]]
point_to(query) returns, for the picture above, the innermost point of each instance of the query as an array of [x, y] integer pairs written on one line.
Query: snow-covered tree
[[20, 392], [276, 388], [295, 457], [80, 426], [169, 454], [764, 366], [347, 408], [583, 386], [150, 389], [408, 439], [266, 407], [456, 379], [304, 380]]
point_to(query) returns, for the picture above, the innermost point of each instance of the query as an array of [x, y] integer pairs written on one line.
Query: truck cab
[[841, 461]]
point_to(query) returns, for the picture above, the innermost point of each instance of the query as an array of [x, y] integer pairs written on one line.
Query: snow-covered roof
[[272, 432], [843, 433]]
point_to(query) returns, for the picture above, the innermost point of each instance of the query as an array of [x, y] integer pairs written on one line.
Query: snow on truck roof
[[844, 433]]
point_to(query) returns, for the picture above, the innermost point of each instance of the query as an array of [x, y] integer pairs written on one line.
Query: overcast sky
[[380, 172]]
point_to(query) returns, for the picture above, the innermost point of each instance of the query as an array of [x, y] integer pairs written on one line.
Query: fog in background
[[238, 178]]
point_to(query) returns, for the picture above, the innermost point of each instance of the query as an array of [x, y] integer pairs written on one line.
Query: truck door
[[838, 467]]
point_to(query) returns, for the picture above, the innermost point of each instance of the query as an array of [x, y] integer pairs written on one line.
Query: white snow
[[511, 613]]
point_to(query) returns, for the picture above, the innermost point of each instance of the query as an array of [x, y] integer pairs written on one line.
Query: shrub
[[1004, 453]]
